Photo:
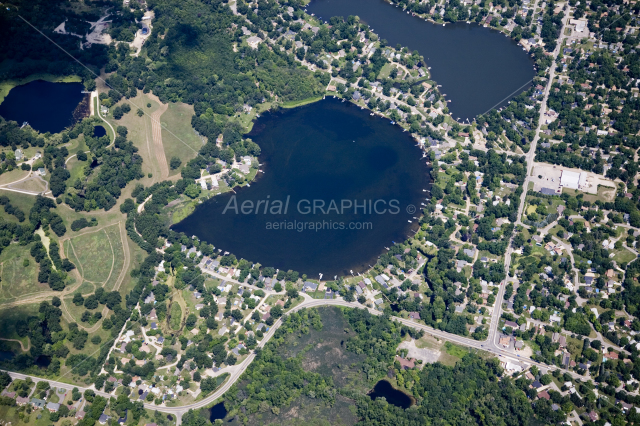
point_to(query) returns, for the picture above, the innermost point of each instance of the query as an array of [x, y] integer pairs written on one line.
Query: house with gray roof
[[38, 403], [309, 286]]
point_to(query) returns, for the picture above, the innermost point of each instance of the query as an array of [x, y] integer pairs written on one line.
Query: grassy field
[[385, 71], [623, 256], [182, 210], [113, 233], [176, 316], [18, 281], [31, 184], [293, 104], [95, 254], [7, 85], [178, 137], [449, 353], [605, 194], [139, 132], [13, 175], [76, 167]]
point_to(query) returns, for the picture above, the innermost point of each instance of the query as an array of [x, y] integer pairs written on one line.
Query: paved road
[[530, 156], [489, 345]]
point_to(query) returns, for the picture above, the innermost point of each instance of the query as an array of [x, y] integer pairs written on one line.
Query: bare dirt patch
[[426, 355]]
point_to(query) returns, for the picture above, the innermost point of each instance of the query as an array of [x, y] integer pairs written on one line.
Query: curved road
[[488, 345]]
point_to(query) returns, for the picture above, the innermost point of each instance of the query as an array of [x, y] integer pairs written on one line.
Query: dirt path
[[156, 133], [125, 267], [116, 287], [80, 279], [19, 341]]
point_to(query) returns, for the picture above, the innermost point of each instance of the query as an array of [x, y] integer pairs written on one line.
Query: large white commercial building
[[573, 180]]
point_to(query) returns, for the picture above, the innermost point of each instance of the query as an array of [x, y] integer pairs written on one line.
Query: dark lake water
[[43, 361], [324, 151], [391, 394], [46, 106], [99, 131], [216, 412], [478, 68], [6, 355]]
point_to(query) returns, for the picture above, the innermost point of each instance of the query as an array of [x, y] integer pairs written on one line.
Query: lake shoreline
[[7, 85], [369, 154]]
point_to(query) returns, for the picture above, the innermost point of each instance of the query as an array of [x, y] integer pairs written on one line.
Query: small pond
[[393, 396], [46, 106], [43, 361], [216, 412], [6, 355], [99, 131]]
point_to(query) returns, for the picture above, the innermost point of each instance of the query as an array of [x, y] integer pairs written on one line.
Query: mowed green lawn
[[178, 137]]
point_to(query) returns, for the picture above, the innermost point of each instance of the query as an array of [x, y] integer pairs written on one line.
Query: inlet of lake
[[478, 68], [318, 153], [46, 106]]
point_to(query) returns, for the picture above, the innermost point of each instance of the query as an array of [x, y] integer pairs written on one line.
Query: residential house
[[37, 403], [414, 315], [611, 355], [511, 324], [309, 286], [53, 407], [544, 394]]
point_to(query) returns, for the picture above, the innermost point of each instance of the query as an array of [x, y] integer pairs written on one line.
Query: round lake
[[46, 106], [478, 68], [99, 131], [364, 176]]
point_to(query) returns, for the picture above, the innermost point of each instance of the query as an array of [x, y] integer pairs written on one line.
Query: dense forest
[[24, 51]]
